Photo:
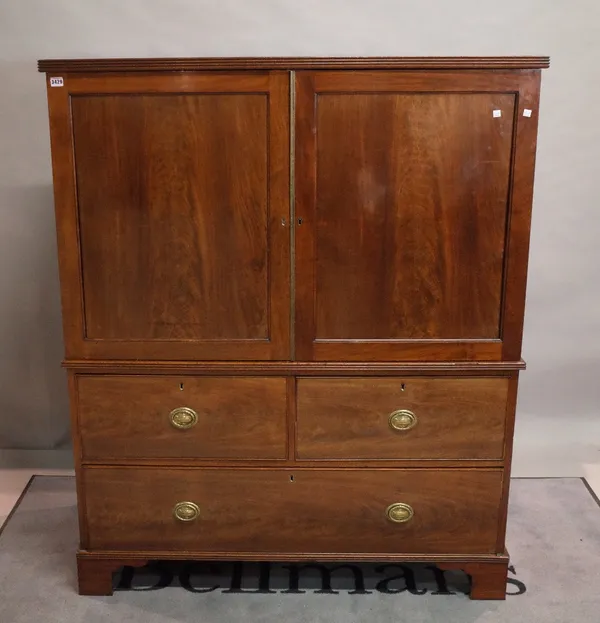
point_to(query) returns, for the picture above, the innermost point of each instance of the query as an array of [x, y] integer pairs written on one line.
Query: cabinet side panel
[[519, 225], [65, 208], [77, 456], [511, 407]]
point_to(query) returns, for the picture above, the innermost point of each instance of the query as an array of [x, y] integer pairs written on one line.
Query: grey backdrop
[[560, 392]]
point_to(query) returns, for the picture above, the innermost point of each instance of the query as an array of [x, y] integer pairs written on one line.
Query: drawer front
[[409, 418], [287, 511], [182, 417]]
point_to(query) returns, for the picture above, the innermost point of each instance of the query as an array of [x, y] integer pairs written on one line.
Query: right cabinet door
[[412, 201]]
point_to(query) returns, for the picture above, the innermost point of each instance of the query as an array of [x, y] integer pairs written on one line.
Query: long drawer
[[181, 417], [391, 418], [286, 511]]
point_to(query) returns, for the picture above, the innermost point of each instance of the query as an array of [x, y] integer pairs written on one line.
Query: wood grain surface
[[407, 229], [177, 219], [293, 510], [127, 417], [404, 195], [411, 214], [173, 215], [457, 418]]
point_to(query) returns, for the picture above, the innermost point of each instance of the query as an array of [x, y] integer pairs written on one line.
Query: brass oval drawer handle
[[399, 512], [183, 418], [186, 511], [403, 419]]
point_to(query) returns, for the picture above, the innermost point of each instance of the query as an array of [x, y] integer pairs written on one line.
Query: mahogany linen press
[[293, 293]]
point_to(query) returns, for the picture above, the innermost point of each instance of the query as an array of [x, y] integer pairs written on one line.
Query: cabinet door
[[413, 199], [172, 200]]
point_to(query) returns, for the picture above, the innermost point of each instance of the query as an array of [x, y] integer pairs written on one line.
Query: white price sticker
[[497, 113], [527, 112], [57, 82]]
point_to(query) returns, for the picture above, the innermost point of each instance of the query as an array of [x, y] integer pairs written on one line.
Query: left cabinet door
[[172, 206]]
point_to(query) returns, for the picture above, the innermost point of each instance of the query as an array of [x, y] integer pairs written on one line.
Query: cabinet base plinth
[[94, 574], [488, 579], [488, 573]]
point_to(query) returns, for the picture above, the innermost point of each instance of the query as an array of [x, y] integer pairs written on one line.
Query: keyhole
[[402, 387], [300, 221], [291, 479], [180, 387]]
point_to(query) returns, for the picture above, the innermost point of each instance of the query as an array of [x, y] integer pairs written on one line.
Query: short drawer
[[286, 511], [182, 417], [409, 418]]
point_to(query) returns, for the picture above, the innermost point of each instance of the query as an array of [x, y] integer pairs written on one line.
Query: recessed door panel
[[411, 214], [173, 215]]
